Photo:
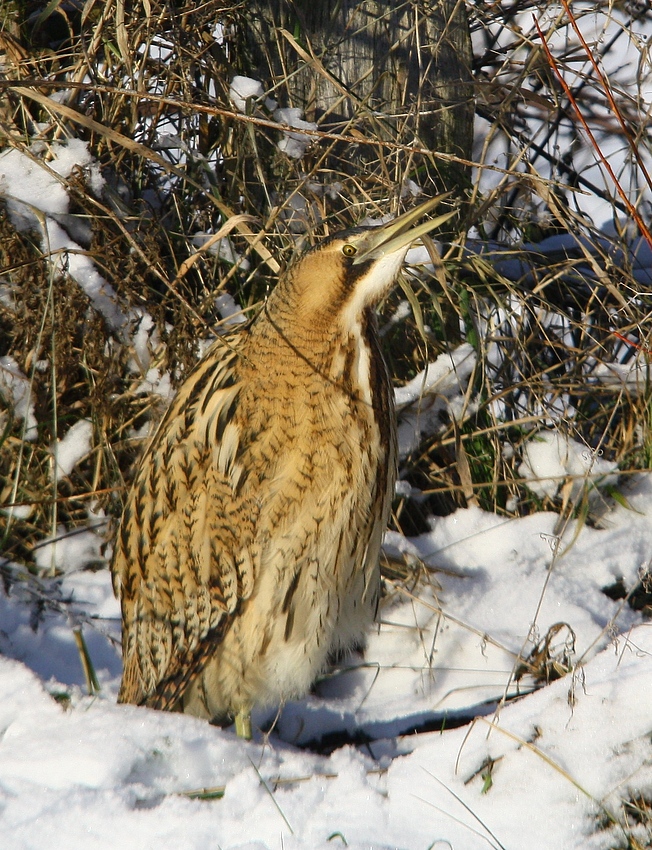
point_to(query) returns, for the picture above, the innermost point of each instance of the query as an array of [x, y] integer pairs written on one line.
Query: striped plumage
[[248, 550]]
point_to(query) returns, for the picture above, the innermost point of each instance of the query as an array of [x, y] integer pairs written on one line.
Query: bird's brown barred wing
[[185, 556]]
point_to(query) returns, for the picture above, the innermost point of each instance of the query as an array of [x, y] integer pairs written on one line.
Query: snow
[[73, 447], [66, 551], [229, 310], [294, 145], [550, 457], [222, 248], [439, 388], [16, 391], [241, 89], [606, 248], [120, 776], [634, 376]]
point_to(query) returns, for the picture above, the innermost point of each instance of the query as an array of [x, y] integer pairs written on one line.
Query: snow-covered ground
[[546, 770]]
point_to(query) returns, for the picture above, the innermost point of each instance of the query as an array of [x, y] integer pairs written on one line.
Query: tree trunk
[[400, 72]]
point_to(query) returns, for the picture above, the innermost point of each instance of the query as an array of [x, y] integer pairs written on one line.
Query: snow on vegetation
[[229, 310], [16, 392], [244, 90], [68, 451], [294, 144], [38, 201]]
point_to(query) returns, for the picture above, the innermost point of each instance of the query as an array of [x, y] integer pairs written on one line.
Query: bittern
[[249, 546]]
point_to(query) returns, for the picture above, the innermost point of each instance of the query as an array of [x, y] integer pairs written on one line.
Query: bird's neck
[[291, 327], [318, 344]]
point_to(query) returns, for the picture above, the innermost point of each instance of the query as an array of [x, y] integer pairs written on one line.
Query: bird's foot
[[243, 724]]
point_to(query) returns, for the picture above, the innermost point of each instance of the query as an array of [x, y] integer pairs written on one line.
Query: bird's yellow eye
[[349, 250]]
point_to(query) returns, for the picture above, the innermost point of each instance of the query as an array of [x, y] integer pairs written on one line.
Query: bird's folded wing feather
[[185, 556]]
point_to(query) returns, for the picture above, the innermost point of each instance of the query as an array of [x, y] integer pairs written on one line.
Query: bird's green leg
[[243, 724]]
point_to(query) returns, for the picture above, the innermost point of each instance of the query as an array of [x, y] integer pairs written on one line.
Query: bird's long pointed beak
[[396, 234]]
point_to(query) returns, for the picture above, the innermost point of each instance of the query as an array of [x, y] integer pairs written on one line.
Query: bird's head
[[351, 271]]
